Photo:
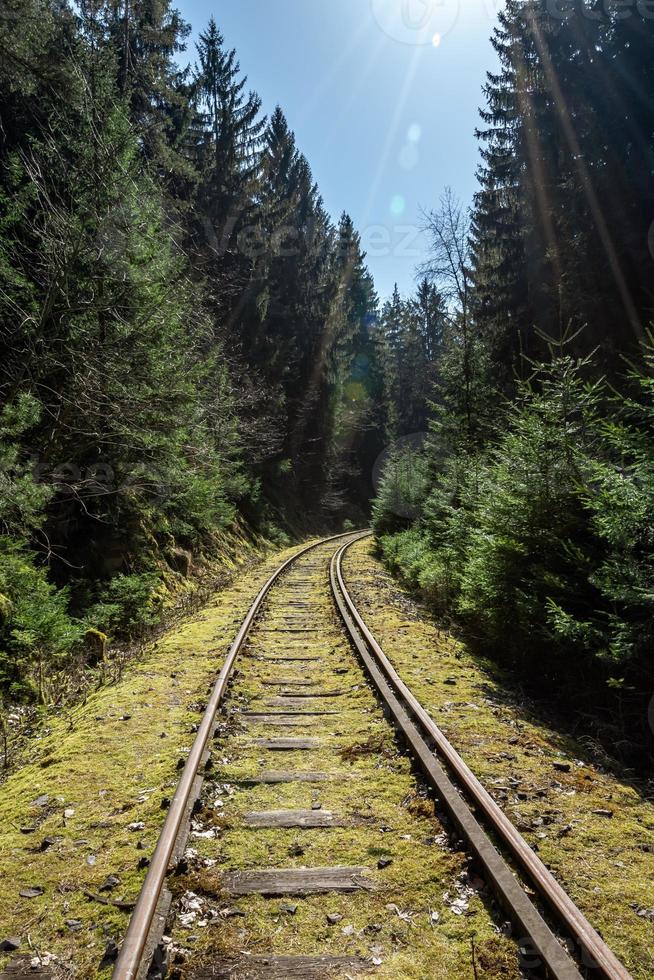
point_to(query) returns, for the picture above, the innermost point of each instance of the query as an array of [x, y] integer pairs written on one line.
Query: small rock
[[46, 843], [91, 860], [165, 803], [10, 944], [137, 825], [348, 930], [232, 913], [140, 846], [450, 682], [35, 891], [334, 918], [73, 924], [110, 954], [124, 718], [143, 864], [384, 863], [288, 909], [603, 813], [109, 885], [69, 813], [562, 766], [180, 764], [41, 800]]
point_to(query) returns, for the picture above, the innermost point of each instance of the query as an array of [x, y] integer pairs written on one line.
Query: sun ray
[[355, 89], [335, 68], [392, 132], [585, 178]]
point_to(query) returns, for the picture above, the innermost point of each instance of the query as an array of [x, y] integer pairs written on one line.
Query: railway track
[[306, 826]]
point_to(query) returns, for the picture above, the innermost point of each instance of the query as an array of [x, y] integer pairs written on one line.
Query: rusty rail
[[424, 736], [132, 954], [427, 743]]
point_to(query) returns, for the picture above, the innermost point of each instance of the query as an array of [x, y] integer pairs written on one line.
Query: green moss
[[605, 863], [104, 766], [372, 787]]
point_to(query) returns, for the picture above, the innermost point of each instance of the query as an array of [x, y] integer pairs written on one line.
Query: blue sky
[[383, 96]]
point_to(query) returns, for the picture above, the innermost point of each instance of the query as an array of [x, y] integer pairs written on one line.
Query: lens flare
[[398, 204]]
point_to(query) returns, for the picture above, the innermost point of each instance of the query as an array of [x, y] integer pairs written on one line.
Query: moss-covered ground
[[71, 818], [429, 915], [591, 825]]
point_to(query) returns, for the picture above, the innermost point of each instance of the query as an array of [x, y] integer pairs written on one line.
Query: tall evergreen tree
[[145, 37], [230, 158]]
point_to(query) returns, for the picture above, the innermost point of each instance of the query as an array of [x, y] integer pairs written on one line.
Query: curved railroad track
[[294, 611]]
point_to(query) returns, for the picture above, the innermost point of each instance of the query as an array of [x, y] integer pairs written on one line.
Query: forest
[[180, 322], [528, 517], [190, 344]]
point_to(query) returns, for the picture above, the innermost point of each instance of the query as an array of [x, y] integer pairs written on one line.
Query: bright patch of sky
[[383, 96]]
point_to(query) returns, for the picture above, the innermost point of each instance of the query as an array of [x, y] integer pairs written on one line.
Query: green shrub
[[128, 605], [37, 634], [401, 493], [543, 546], [528, 511]]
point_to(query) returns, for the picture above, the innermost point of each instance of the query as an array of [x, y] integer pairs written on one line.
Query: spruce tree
[[230, 153]]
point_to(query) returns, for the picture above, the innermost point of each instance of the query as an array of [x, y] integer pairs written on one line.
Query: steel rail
[[416, 723], [131, 957]]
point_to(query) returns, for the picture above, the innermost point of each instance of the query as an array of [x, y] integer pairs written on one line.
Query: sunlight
[[314, 96], [416, 22], [356, 89], [392, 133], [586, 182]]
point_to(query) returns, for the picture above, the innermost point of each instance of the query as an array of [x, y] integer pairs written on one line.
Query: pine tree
[[355, 389], [428, 307], [500, 219], [144, 38], [230, 158]]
